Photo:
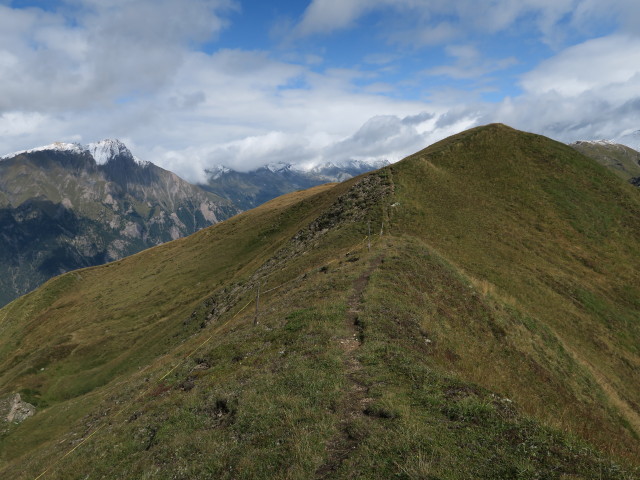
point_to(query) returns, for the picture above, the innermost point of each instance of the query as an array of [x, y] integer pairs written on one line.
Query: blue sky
[[189, 84]]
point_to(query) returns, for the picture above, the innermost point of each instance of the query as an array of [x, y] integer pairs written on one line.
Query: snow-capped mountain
[[601, 142], [250, 189], [217, 171], [65, 206], [279, 167], [102, 151], [54, 147], [338, 172], [106, 150]]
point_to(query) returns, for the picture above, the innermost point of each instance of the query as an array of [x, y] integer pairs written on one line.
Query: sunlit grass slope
[[554, 237], [491, 330]]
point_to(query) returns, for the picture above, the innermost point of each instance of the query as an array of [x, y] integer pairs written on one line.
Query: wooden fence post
[[255, 320]]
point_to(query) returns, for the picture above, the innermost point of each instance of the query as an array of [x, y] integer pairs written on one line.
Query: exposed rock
[[13, 409], [62, 209]]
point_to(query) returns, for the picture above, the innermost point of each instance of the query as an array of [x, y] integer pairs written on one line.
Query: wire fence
[[182, 361]]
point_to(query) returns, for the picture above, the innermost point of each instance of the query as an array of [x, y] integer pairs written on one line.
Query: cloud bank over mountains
[[193, 83]]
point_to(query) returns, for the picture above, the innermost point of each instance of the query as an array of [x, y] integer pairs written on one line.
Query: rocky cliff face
[[66, 206]]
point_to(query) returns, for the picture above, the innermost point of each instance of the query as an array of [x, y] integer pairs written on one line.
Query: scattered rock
[[201, 364], [13, 409], [188, 384]]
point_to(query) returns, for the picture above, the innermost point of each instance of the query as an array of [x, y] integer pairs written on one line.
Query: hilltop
[[488, 327]]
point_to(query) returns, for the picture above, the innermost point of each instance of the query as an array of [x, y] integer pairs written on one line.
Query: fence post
[[255, 320]]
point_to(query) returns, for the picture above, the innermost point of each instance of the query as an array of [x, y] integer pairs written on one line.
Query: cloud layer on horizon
[[156, 74]]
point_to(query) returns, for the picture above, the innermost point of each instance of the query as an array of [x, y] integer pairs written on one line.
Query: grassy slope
[[106, 309], [554, 236], [497, 323], [622, 160]]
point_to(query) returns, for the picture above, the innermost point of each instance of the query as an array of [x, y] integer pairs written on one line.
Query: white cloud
[[612, 62], [587, 91], [438, 21], [325, 16], [387, 137], [382, 137], [96, 71], [469, 63], [18, 124], [96, 52], [232, 107]]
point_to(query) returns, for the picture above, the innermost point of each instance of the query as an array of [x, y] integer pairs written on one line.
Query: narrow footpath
[[355, 400]]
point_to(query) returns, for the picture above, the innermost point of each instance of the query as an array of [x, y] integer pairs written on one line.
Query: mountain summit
[[102, 151], [106, 150], [471, 311]]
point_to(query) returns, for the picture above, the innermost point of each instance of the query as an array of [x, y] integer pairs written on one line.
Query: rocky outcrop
[[14, 409]]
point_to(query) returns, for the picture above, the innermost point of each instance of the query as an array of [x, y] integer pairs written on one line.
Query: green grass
[[498, 328]]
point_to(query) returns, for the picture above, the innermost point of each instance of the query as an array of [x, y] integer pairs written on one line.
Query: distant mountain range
[[631, 140], [623, 160], [65, 206], [247, 190], [489, 329]]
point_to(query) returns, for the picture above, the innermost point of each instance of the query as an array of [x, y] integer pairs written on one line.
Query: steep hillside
[[247, 190], [487, 328], [66, 206], [622, 160]]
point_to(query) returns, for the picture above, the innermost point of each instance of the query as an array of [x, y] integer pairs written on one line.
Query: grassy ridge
[[269, 396], [85, 328], [491, 332], [554, 236]]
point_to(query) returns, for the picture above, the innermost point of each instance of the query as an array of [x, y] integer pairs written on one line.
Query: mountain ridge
[[102, 151], [106, 203], [623, 160], [252, 188], [60, 209], [468, 312]]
